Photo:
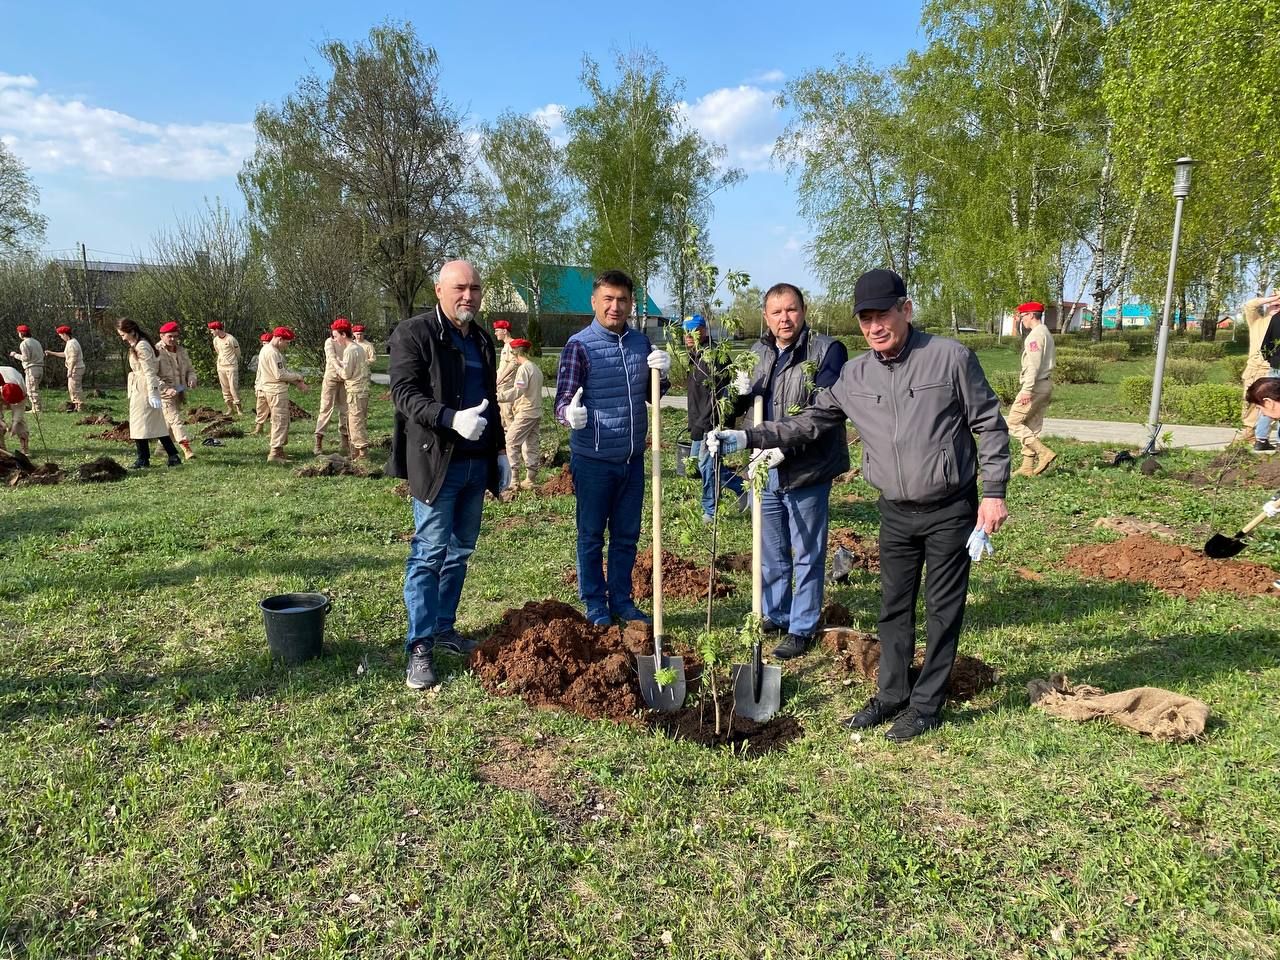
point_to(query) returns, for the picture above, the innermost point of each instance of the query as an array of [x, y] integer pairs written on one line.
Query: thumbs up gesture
[[469, 424], [575, 414]]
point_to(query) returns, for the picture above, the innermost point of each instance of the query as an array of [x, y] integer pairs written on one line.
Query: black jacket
[[427, 372], [1271, 342], [700, 395]]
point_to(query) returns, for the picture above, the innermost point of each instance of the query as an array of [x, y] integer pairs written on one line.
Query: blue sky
[[130, 115]]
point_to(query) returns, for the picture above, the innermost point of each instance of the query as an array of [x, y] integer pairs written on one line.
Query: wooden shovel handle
[[757, 534], [1256, 521], [655, 441]]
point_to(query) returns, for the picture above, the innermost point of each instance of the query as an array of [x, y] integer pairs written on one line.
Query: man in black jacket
[[704, 387], [448, 443], [917, 401]]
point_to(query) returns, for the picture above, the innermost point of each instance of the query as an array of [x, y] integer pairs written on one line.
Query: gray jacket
[[917, 415]]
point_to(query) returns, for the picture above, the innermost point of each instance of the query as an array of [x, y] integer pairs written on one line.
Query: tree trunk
[[1209, 315]]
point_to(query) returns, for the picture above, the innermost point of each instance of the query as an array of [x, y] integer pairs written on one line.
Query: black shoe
[[873, 714], [140, 465], [769, 628], [793, 645], [422, 671], [1263, 445], [175, 460], [451, 641], [631, 614], [911, 723]]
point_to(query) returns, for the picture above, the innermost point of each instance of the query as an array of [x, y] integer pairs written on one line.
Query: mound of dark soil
[[336, 465], [118, 433], [97, 420], [858, 654], [560, 485], [18, 470], [1235, 467], [207, 415], [738, 734], [681, 579], [222, 431], [1170, 568], [865, 551], [102, 470]]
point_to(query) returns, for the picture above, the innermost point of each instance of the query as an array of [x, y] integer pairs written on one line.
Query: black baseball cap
[[877, 290]]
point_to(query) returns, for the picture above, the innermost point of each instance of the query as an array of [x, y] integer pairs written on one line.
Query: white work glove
[[766, 460], [979, 544], [504, 472], [469, 424], [575, 414], [742, 383], [155, 401], [725, 442], [659, 360], [1271, 508]]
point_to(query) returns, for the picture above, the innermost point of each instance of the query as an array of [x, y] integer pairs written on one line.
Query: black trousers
[[911, 540]]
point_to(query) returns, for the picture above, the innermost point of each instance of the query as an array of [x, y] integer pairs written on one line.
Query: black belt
[[923, 506]]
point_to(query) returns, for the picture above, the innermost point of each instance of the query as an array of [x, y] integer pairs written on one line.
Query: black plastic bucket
[[295, 625], [684, 450]]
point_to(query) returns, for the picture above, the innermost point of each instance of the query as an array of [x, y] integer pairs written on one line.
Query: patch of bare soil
[[97, 420], [836, 615], [102, 470], [737, 734], [1129, 526], [864, 552], [537, 769], [336, 465], [560, 485], [401, 489], [1236, 467], [858, 655], [1171, 568], [681, 579]]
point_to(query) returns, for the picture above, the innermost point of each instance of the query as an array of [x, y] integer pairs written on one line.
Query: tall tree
[[21, 224], [378, 133]]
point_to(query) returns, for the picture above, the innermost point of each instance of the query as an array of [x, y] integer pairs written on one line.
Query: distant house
[[564, 303], [97, 281], [1071, 315]]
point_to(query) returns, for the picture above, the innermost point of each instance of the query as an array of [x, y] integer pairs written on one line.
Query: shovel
[[1220, 547], [667, 697], [757, 689]]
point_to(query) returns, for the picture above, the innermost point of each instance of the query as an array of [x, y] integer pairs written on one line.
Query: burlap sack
[[1158, 713]]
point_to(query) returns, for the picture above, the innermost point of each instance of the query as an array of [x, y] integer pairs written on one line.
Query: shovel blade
[[1219, 547], [666, 698], [745, 702]]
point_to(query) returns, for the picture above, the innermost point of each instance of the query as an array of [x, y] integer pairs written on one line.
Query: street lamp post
[[1181, 188]]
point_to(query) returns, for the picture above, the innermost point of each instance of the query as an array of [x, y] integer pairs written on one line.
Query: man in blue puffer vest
[[601, 390]]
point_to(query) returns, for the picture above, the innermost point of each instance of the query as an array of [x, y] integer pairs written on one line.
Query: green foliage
[[1203, 403], [1136, 392], [1005, 383], [22, 226], [1186, 372], [1110, 350], [1205, 350], [986, 341], [1075, 368], [1235, 366]]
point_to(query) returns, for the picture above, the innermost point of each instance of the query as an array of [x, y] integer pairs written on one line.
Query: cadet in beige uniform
[[227, 350], [1035, 388], [354, 364], [506, 369], [13, 402], [370, 350], [146, 409], [31, 355], [276, 378], [261, 408], [333, 395], [523, 395], [177, 376], [73, 356], [1257, 315]]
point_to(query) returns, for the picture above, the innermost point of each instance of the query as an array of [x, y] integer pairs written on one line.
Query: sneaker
[[873, 714], [421, 673], [911, 723], [175, 460], [632, 614], [139, 465], [451, 641], [599, 616], [1263, 445], [708, 519], [793, 645]]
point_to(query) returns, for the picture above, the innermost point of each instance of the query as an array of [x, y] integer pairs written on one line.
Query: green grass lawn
[[166, 791]]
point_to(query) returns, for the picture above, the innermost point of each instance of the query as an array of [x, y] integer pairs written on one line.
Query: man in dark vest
[[601, 389]]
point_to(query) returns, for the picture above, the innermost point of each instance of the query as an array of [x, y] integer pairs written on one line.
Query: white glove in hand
[[659, 360], [725, 442], [765, 460], [504, 472], [469, 424], [155, 401], [575, 414], [1272, 508], [742, 383], [979, 544]]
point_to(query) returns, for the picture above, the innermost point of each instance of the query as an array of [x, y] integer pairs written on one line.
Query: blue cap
[[694, 322]]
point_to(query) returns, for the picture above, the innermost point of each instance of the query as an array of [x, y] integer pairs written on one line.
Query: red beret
[[1031, 306], [23, 328], [358, 328], [63, 329], [342, 323], [284, 333], [501, 325], [520, 342], [265, 338], [12, 394], [170, 327], [215, 325]]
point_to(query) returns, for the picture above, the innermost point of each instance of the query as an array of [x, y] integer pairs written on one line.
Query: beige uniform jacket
[[174, 369], [1037, 358], [227, 350], [73, 356], [370, 351], [524, 392], [1258, 324], [144, 383], [31, 353], [354, 368], [276, 376], [332, 362], [258, 369]]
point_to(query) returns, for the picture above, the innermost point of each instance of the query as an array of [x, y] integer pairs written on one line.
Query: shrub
[[1203, 403], [1110, 350], [1235, 367], [1205, 350], [1136, 391], [1075, 368], [1185, 372], [1005, 384], [1139, 341], [982, 341]]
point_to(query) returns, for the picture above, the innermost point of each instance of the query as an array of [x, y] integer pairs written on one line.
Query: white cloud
[[53, 133], [743, 119], [773, 76], [552, 117]]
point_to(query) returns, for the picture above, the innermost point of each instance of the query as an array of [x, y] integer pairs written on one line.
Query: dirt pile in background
[[681, 579], [1236, 468], [864, 551], [858, 654], [206, 415], [102, 470], [1171, 568], [336, 465], [738, 734], [97, 420], [119, 433], [560, 485], [18, 470]]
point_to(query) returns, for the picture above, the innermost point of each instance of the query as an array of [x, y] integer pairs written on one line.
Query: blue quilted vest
[[617, 383]]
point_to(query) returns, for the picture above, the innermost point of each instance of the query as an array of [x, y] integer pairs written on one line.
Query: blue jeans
[[444, 538], [607, 495], [795, 554], [1262, 429], [729, 479]]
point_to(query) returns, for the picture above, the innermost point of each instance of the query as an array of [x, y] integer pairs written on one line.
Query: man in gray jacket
[[917, 401]]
